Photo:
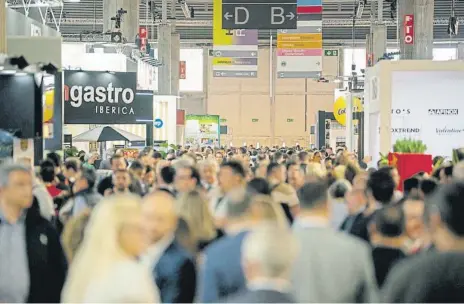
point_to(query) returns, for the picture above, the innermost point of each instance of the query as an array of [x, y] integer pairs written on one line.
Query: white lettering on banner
[[443, 111], [110, 94], [114, 110], [277, 12], [247, 15]]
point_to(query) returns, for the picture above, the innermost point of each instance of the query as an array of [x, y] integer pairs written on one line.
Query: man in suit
[[267, 259], [32, 262], [388, 240], [332, 266], [118, 163], [221, 273], [173, 267], [436, 276], [165, 177]]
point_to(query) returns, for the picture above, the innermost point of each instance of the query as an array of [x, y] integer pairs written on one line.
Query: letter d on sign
[[247, 15], [277, 13]]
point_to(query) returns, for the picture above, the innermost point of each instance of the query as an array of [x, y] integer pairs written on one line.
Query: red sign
[[409, 29], [143, 38], [182, 70], [180, 117]]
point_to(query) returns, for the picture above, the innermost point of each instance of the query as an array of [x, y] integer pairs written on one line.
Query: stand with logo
[[104, 98]]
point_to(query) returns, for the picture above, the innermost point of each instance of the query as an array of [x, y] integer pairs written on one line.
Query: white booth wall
[[414, 99]]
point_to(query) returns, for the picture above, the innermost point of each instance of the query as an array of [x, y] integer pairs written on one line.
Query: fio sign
[[409, 29]]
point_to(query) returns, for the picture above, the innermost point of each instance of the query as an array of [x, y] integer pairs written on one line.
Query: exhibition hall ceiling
[[86, 15]]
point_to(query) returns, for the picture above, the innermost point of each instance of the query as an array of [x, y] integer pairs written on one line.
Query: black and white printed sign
[[427, 105], [103, 98]]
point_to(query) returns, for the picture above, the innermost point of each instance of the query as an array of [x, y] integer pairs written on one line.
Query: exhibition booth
[[106, 98], [418, 100], [116, 75]]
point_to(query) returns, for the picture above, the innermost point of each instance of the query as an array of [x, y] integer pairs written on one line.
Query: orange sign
[[299, 37], [300, 45], [182, 70]]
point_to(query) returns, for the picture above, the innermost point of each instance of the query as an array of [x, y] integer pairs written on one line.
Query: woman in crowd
[[193, 208], [108, 257], [73, 233]]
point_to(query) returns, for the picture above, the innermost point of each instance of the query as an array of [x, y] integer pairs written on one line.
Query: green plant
[[71, 152], [383, 160], [409, 145]]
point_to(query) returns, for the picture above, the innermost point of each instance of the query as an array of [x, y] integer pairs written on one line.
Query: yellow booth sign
[[340, 109]]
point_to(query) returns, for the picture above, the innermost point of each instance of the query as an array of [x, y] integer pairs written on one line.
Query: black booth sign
[[103, 98]]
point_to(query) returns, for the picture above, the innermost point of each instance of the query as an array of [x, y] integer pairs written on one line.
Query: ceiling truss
[[44, 7], [348, 22]]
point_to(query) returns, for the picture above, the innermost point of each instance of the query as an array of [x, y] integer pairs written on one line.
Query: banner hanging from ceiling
[[92, 97]]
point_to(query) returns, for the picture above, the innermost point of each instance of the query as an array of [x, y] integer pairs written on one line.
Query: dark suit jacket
[[359, 226], [260, 296], [47, 262], [175, 275], [106, 183]]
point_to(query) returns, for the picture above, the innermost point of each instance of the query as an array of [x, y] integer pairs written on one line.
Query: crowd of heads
[[108, 210]]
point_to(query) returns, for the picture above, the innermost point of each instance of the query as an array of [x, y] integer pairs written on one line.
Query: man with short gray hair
[[32, 262], [208, 172], [268, 253]]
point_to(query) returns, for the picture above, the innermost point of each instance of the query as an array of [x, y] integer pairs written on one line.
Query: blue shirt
[[14, 265]]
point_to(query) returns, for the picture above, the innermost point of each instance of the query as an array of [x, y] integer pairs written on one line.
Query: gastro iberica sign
[[101, 98]]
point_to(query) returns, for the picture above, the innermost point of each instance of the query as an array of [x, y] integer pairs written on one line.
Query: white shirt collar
[[312, 222], [279, 285], [155, 251]]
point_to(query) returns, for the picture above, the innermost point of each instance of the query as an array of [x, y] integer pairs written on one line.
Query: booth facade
[[419, 99]]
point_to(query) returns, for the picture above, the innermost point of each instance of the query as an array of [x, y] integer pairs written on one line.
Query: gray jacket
[[332, 267], [75, 205]]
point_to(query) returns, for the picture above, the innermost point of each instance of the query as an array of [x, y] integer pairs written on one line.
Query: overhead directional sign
[[235, 52], [259, 14], [299, 51]]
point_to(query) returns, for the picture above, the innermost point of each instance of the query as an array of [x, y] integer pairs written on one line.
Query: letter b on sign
[[277, 16]]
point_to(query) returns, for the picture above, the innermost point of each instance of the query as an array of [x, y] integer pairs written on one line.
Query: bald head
[[160, 213]]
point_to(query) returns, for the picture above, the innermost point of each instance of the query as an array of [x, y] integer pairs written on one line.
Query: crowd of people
[[237, 225]]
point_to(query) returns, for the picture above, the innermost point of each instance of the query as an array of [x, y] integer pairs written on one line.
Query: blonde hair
[[73, 233], [339, 172], [194, 209], [269, 210], [315, 170], [100, 249]]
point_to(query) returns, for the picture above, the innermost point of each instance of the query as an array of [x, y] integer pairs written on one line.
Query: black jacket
[[175, 275], [47, 262]]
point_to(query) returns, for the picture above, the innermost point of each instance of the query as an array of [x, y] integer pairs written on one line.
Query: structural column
[[175, 65], [422, 12], [164, 56], [129, 21], [2, 27], [379, 41]]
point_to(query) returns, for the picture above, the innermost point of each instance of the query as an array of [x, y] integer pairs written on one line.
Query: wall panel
[[246, 104], [255, 116]]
